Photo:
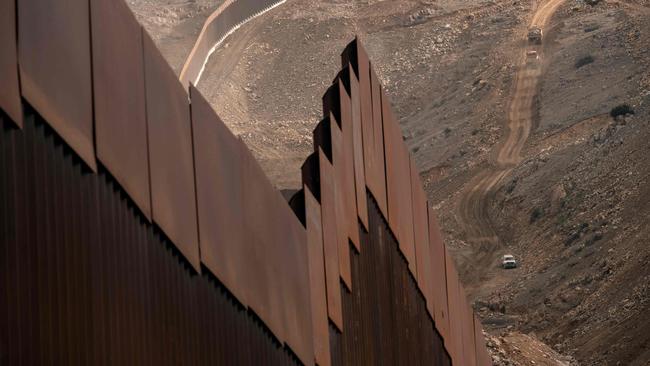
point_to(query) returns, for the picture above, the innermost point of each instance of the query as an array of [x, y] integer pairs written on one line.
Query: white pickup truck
[[509, 262], [535, 34]]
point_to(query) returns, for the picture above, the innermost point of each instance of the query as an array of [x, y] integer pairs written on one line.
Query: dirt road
[[473, 206]]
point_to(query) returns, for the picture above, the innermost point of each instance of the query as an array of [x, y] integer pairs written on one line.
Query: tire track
[[472, 210]]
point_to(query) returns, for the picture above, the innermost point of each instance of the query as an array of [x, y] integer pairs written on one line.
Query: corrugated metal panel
[[438, 276], [279, 293], [371, 125], [322, 136], [347, 128], [6, 213], [386, 321], [296, 200], [120, 112], [367, 124], [295, 298], [94, 283], [220, 198], [407, 241], [469, 346], [55, 70], [483, 358], [170, 152], [421, 229], [15, 338], [357, 141], [327, 130], [10, 91], [400, 214], [311, 175], [345, 210], [392, 142], [317, 279], [328, 214], [378, 188], [262, 233], [455, 344]]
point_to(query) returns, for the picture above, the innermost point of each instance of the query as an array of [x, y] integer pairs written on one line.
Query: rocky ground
[[575, 210], [517, 349]]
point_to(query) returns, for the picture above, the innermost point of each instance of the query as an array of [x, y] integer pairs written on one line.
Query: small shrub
[[577, 233], [447, 131], [621, 110], [584, 61], [511, 186], [535, 214], [572, 238], [594, 238]]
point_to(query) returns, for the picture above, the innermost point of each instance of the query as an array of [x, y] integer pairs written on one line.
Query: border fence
[[225, 20], [135, 228]]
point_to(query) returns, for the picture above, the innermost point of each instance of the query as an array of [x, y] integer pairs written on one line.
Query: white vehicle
[[535, 34], [532, 55], [509, 261]]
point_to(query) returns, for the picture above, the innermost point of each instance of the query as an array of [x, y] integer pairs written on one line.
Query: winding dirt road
[[472, 211]]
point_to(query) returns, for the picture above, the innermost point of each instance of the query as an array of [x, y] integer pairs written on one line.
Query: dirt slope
[[574, 209], [475, 200]]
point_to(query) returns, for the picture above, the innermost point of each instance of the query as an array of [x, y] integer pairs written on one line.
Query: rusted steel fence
[[136, 229], [87, 280]]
